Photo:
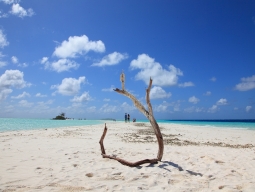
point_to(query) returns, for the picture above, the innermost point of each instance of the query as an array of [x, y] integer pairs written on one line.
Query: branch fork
[[149, 115]]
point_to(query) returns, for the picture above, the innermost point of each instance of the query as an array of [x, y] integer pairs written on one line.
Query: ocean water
[[224, 123], [16, 124]]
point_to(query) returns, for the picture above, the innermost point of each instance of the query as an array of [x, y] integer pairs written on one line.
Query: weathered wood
[[122, 161], [102, 140], [149, 115]]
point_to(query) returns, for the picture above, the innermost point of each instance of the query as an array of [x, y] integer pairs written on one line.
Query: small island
[[61, 116]]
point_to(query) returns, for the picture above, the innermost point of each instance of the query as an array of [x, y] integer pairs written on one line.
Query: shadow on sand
[[166, 165]]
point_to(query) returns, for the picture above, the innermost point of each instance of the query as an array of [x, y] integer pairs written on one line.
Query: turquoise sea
[[224, 123], [16, 124]]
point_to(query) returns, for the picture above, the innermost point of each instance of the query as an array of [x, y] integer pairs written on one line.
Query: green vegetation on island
[[61, 116]]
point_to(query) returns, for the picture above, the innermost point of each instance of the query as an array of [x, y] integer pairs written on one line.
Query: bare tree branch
[[149, 115]]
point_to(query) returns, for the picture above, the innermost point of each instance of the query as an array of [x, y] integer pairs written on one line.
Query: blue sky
[[68, 56]]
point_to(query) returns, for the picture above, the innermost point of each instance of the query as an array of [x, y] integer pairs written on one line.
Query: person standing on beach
[[125, 117], [128, 117]]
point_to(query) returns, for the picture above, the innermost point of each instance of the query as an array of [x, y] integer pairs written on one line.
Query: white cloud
[[3, 40], [20, 11], [126, 107], [213, 79], [159, 93], [248, 108], [107, 100], [193, 109], [111, 59], [150, 68], [23, 65], [4, 93], [186, 84], [25, 103], [246, 84], [222, 102], [109, 89], [213, 109], [49, 102], [44, 60], [24, 94], [109, 109], [10, 1], [194, 100], [78, 45], [40, 95], [208, 93], [11, 78], [3, 15], [160, 108], [14, 59], [62, 65], [69, 86], [83, 98]]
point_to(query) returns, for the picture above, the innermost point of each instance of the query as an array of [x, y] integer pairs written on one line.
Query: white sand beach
[[69, 159]]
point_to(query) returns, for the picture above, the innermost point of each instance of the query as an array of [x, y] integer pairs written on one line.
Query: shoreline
[[69, 159]]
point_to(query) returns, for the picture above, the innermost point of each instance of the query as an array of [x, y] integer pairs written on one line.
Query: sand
[[69, 159]]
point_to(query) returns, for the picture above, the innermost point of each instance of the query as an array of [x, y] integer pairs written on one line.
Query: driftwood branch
[[149, 115], [122, 161]]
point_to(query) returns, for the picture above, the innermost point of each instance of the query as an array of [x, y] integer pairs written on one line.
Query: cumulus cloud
[[246, 84], [69, 86], [44, 60], [10, 1], [186, 84], [194, 100], [213, 109], [64, 65], [83, 98], [208, 93], [11, 78], [59, 66], [159, 93], [20, 11], [126, 107], [213, 79], [106, 108], [3, 40], [150, 68], [40, 95], [14, 59], [222, 101], [25, 103], [160, 108], [22, 95], [248, 108], [78, 45], [111, 59]]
